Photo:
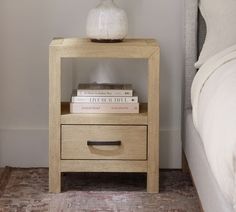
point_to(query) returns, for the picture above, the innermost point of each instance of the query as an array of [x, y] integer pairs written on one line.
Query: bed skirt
[[206, 185]]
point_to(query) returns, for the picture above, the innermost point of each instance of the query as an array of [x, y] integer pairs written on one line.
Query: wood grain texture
[[153, 123], [77, 42], [54, 121], [84, 48], [128, 119], [103, 166], [133, 142], [149, 116]]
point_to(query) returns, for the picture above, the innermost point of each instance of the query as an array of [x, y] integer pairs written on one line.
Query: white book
[[104, 89], [104, 92], [104, 108], [107, 100]]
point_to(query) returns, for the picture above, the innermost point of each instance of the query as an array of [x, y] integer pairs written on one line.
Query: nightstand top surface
[[83, 47], [68, 42]]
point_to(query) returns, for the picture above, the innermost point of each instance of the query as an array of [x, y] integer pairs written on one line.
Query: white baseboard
[[29, 148]]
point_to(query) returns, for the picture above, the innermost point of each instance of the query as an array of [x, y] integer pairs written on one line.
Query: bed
[[209, 191]]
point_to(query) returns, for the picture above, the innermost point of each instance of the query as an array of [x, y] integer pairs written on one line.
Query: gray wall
[[26, 28]]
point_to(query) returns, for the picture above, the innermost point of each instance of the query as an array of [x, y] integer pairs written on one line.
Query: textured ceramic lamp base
[[107, 23]]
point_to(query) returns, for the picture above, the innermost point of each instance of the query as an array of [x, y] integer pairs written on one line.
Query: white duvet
[[214, 113]]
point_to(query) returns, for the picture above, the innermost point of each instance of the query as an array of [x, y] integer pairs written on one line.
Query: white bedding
[[214, 114]]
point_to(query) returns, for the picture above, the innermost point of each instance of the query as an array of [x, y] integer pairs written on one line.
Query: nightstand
[[138, 149]]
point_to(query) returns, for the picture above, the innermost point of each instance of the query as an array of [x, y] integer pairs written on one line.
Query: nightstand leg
[[54, 181], [54, 121], [153, 162], [153, 123], [54, 156], [152, 183]]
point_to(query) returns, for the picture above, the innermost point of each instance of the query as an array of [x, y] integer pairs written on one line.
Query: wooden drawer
[[132, 139]]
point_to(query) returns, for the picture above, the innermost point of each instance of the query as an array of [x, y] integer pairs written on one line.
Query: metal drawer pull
[[103, 143]]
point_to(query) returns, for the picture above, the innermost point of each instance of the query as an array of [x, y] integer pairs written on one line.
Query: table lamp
[[107, 23]]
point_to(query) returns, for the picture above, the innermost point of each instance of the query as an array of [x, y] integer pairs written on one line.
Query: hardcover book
[[107, 86], [100, 99], [104, 108], [104, 89]]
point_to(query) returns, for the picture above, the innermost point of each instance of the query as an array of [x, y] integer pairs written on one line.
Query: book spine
[[104, 108], [106, 100], [108, 92]]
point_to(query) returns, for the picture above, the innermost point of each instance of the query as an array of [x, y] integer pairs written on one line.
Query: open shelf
[[120, 118]]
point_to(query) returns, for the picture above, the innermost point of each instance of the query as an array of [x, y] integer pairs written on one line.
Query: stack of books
[[104, 98]]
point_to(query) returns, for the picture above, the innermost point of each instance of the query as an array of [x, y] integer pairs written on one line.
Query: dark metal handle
[[103, 143]]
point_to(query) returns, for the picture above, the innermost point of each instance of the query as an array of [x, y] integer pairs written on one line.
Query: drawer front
[[103, 142]]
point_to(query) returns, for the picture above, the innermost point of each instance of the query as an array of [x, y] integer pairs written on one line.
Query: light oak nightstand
[[138, 134]]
